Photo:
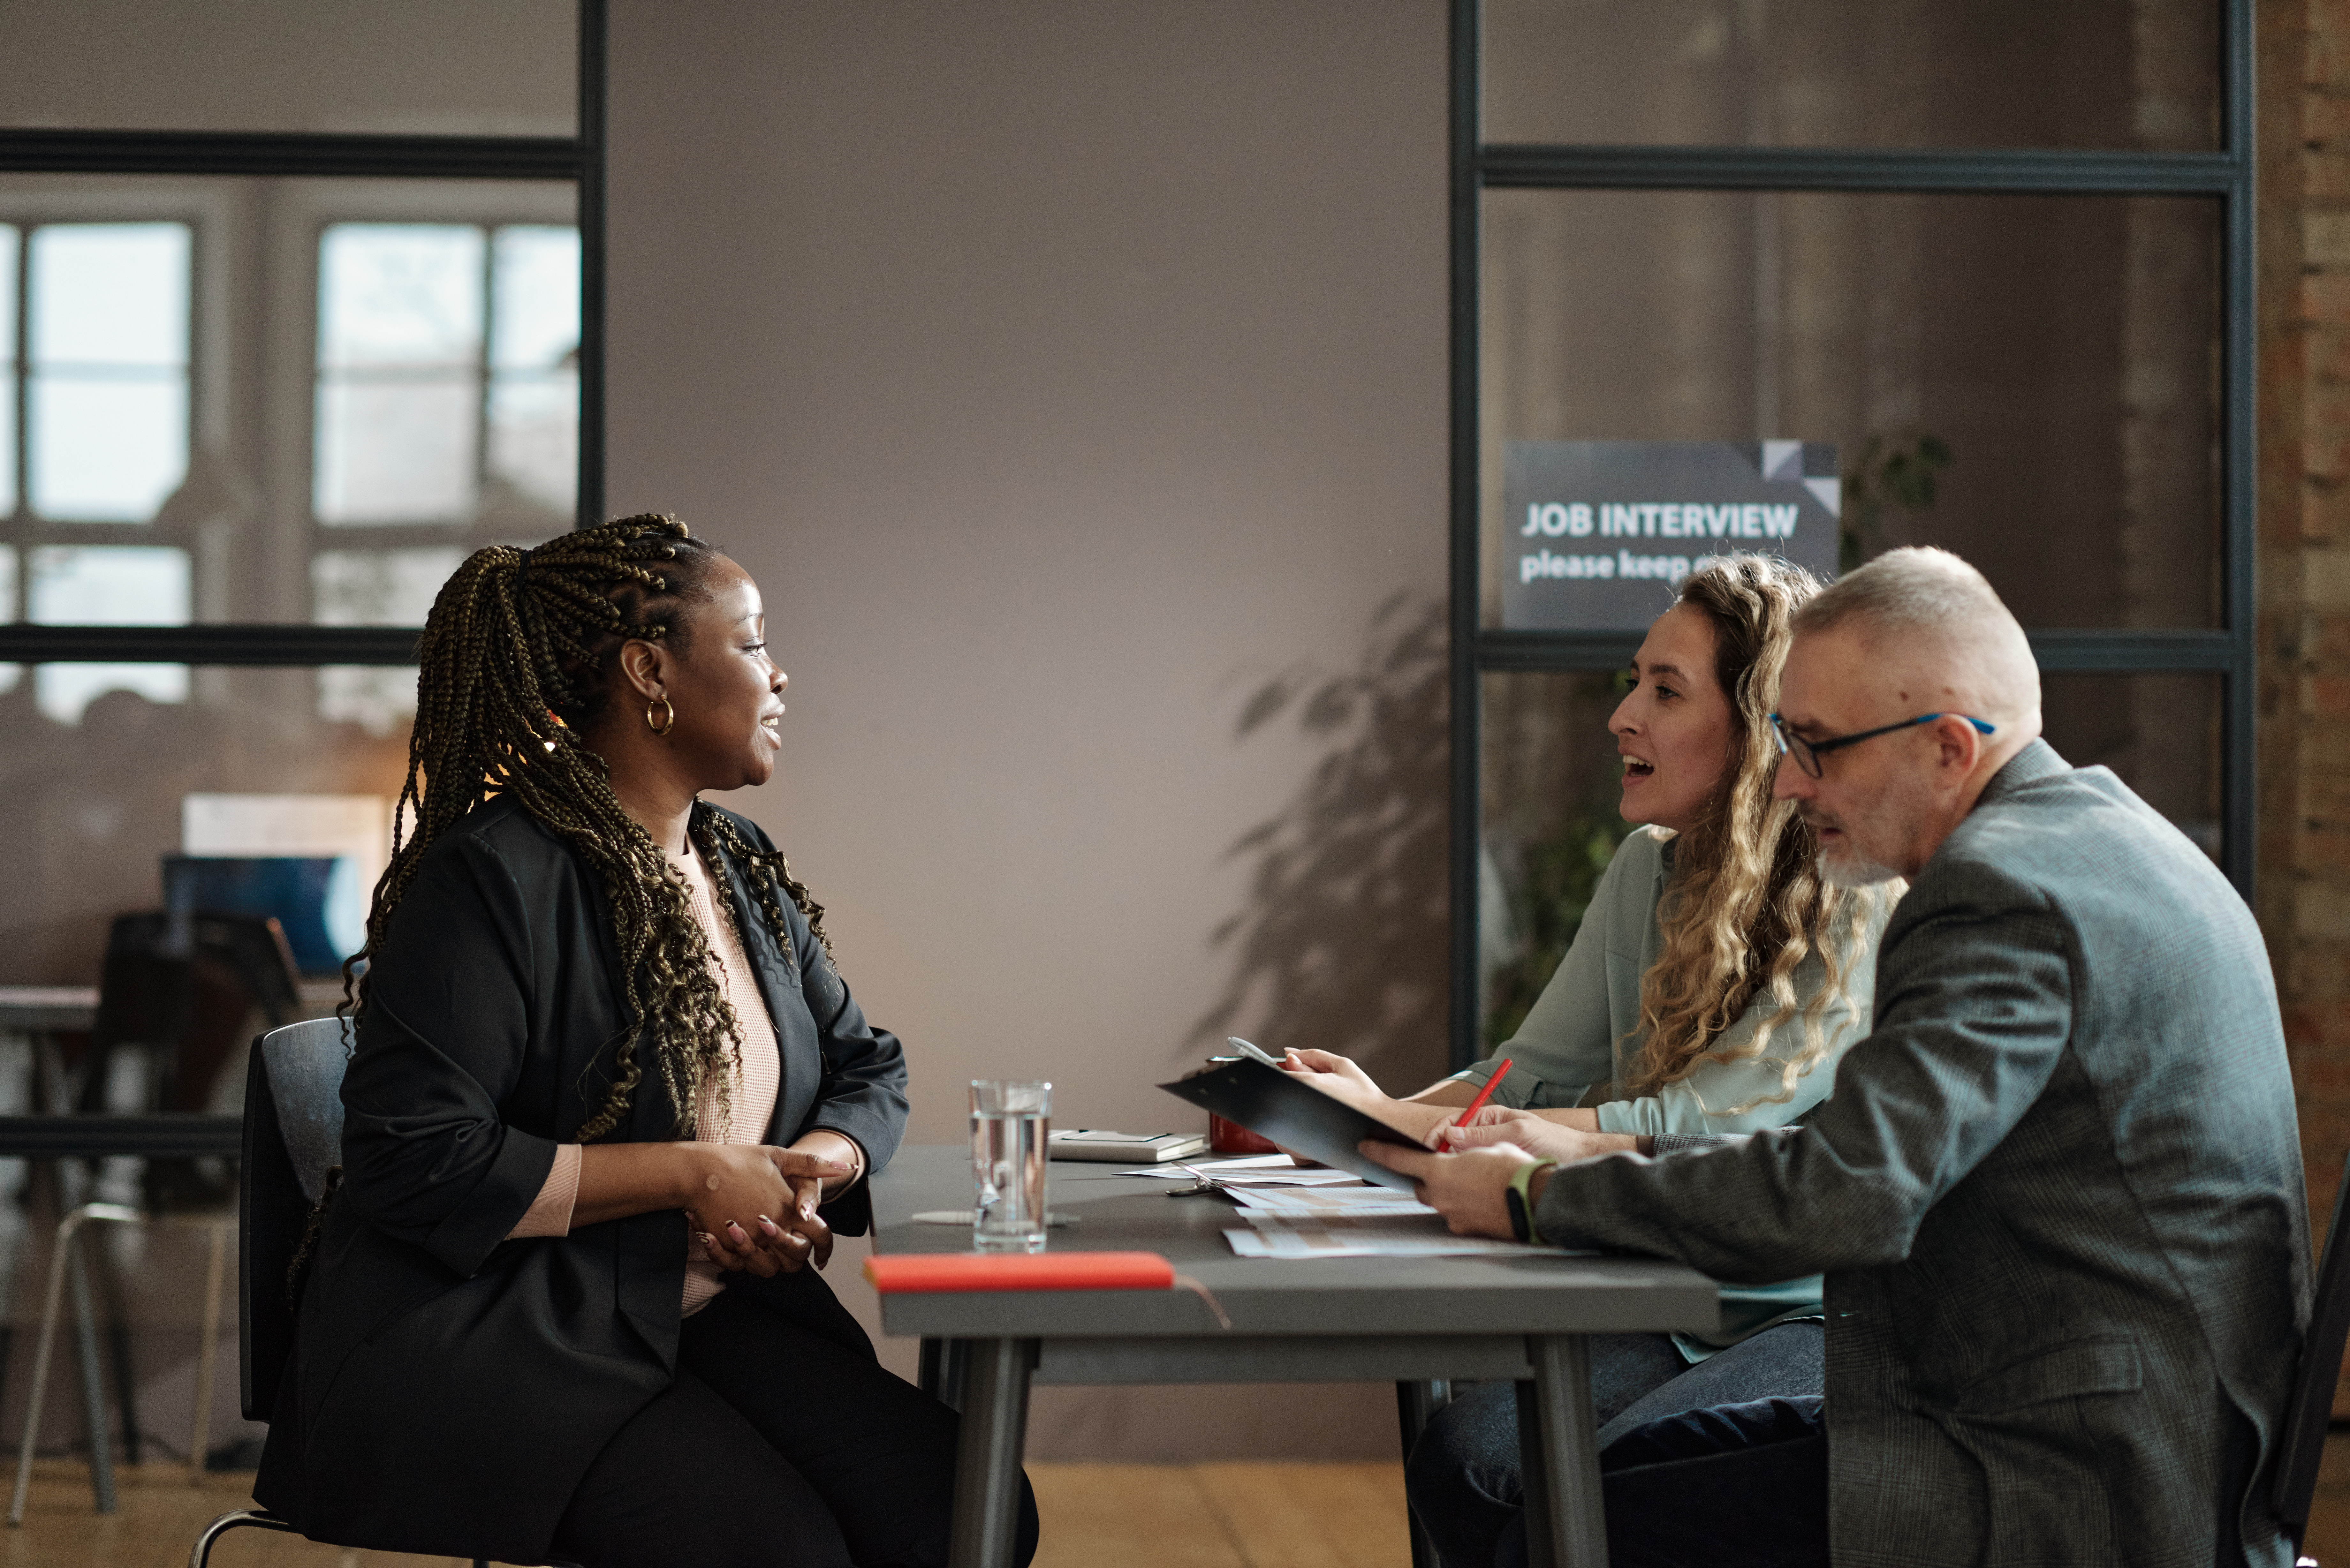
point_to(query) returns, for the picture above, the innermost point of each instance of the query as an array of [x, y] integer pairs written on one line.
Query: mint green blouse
[[1584, 1031]]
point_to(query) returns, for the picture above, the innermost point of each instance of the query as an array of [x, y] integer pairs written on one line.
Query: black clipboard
[[1295, 1115]]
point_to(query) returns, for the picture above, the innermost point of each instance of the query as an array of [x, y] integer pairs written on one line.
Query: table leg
[[1558, 1447], [987, 1460], [1415, 1403]]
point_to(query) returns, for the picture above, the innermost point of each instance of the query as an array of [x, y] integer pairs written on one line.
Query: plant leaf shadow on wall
[[1341, 945]]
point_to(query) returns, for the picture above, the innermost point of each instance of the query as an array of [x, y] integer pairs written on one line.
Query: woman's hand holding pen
[[1538, 1136]]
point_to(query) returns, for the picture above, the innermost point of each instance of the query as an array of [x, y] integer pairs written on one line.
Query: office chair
[[2311, 1408], [182, 984], [293, 1137]]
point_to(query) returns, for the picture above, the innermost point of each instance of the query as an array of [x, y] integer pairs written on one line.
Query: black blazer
[[449, 1387]]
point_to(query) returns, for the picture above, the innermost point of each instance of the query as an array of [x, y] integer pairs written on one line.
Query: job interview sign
[[1596, 534]]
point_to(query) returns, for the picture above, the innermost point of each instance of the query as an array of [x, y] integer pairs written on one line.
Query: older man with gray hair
[[2057, 1192]]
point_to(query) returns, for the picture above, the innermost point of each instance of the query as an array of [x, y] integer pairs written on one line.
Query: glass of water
[[1009, 1120]]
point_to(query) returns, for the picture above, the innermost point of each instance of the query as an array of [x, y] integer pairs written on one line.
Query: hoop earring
[[666, 726]]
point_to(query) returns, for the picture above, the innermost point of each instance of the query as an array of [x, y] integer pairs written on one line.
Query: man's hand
[[1469, 1189], [1497, 1126]]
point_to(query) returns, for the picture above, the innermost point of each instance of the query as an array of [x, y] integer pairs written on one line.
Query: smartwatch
[[1521, 1202]]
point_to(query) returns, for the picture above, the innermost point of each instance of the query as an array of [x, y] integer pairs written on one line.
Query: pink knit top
[[757, 1078]]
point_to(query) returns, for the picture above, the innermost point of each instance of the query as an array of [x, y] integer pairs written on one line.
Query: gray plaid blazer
[[2057, 1195]]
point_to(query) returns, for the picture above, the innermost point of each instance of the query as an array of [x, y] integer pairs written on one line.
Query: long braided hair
[[517, 661]]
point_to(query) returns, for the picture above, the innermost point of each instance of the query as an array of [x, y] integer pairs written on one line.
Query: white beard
[[1894, 815], [1854, 869]]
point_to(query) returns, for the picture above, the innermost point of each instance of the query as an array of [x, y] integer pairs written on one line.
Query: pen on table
[[1501, 1071]]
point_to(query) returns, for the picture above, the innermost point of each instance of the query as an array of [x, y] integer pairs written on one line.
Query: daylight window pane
[[7, 596], [536, 269], [9, 241], [380, 587], [396, 452], [109, 294], [377, 700], [107, 450], [399, 293], [107, 585], [535, 437], [7, 441], [65, 691]]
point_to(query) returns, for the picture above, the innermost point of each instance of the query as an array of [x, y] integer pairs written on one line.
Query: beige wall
[[503, 67], [1068, 371]]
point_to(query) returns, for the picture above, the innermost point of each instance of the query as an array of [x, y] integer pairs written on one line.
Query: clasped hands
[[757, 1207]]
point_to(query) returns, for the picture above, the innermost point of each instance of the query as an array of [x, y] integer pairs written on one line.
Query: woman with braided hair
[[609, 1100]]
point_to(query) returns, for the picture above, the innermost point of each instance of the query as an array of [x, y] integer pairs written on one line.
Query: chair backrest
[[2321, 1365], [293, 1137]]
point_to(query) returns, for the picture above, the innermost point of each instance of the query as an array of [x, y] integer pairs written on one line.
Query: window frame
[[579, 160], [21, 529], [1477, 166]]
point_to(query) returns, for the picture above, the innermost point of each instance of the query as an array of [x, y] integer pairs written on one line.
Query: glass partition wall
[[297, 305], [275, 353], [1996, 254]]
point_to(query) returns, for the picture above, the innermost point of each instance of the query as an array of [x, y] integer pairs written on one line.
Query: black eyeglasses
[[1807, 753]]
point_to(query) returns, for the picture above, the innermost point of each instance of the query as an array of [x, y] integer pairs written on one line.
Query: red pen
[[1501, 1071]]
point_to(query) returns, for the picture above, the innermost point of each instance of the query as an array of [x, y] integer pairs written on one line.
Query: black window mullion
[[323, 154], [270, 643], [2056, 652], [594, 64], [1986, 171], [2239, 454], [1465, 198]]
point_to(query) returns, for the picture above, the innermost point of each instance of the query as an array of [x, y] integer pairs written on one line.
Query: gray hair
[[1918, 589], [1929, 602]]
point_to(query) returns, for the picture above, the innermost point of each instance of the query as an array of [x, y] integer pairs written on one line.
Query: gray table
[[1417, 1322]]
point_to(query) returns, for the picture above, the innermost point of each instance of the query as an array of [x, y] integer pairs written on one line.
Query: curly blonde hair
[[1746, 906]]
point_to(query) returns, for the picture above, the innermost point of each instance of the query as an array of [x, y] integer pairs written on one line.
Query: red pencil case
[[1020, 1271]]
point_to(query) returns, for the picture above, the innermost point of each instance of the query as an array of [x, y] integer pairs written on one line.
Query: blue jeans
[[1464, 1477], [1733, 1486]]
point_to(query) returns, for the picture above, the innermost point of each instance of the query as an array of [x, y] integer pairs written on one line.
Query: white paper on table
[[1412, 1219], [1285, 1175], [1327, 1202], [1257, 1178], [1318, 1241]]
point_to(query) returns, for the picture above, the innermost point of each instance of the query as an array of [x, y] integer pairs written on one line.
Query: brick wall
[[2304, 520], [2304, 561]]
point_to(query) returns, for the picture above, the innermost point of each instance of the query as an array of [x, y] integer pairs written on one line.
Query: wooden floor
[[1133, 1516], [1136, 1516]]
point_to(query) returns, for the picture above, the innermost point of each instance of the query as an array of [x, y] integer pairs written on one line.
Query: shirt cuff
[[864, 1163], [550, 1212]]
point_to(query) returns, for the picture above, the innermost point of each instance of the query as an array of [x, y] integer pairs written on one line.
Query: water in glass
[[1008, 1123]]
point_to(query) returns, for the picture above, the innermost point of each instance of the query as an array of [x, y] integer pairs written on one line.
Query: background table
[[1414, 1321]]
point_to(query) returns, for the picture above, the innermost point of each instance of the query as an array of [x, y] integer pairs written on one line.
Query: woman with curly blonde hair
[[1712, 984]]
